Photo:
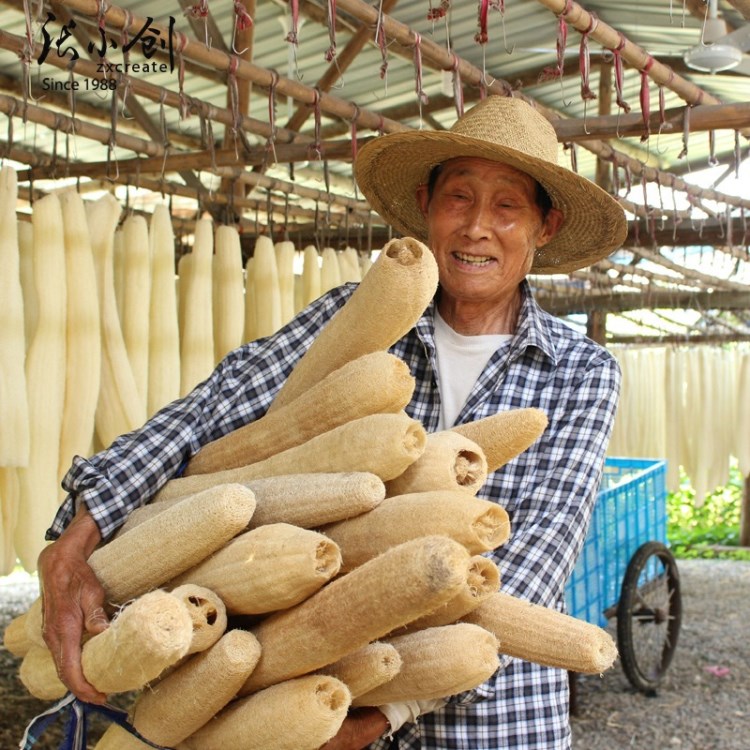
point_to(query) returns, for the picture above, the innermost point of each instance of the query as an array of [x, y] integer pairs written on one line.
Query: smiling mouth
[[473, 260]]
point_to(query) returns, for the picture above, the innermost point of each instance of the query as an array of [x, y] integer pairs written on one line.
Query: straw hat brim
[[389, 169]]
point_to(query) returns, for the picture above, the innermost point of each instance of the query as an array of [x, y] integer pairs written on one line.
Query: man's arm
[[72, 601], [360, 728]]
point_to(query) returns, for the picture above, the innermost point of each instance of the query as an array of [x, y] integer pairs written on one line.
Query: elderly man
[[493, 205]]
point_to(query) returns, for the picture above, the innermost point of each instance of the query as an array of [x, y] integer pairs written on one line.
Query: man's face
[[484, 225]]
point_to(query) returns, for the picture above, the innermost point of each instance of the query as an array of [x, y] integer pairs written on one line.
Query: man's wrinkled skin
[[74, 606], [361, 727]]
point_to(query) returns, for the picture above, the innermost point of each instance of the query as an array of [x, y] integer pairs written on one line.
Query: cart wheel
[[648, 615]]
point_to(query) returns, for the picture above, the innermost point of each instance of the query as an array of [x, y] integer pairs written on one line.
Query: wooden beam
[[596, 326], [743, 6], [570, 302], [710, 232], [701, 118], [205, 160]]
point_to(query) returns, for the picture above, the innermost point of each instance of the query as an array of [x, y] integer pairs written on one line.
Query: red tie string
[[331, 51], [292, 37], [433, 14], [550, 72], [619, 75], [584, 60]]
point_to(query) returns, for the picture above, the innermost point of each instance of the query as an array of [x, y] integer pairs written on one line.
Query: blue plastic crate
[[631, 509]]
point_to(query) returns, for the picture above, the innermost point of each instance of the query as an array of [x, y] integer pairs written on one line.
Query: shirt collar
[[533, 328]]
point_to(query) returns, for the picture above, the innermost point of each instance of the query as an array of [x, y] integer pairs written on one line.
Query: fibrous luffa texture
[[398, 586], [386, 305], [372, 384]]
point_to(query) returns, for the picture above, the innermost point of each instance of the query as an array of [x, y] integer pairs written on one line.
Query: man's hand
[[360, 728], [72, 600]]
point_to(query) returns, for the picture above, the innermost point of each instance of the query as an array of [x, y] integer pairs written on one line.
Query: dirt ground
[[703, 703]]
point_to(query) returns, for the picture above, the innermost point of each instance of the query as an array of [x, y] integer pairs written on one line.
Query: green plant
[[709, 530]]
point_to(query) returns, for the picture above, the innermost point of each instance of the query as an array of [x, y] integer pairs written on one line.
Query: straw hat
[[508, 130]]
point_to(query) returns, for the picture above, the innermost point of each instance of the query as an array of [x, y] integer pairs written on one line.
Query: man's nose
[[479, 220]]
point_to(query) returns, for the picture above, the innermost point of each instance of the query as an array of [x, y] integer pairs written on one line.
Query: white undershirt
[[460, 361]]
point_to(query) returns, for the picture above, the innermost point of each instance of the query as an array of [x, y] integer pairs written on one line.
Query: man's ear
[[550, 226], [423, 199]]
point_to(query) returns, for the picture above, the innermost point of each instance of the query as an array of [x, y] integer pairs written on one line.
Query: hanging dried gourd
[[136, 298], [164, 333], [14, 407], [83, 336], [197, 344], [45, 377], [285, 267], [228, 294], [266, 286]]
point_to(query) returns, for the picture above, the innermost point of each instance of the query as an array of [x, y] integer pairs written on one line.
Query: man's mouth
[[474, 260]]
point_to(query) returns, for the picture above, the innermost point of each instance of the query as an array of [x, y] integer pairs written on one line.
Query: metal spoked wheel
[[649, 614]]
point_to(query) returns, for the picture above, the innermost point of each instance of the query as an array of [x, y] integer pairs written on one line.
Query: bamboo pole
[[583, 21], [56, 121], [706, 117]]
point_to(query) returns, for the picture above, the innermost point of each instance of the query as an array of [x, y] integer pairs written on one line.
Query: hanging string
[[182, 43], [650, 217], [628, 178], [53, 161], [645, 98], [242, 22], [676, 218], [657, 179], [271, 142], [315, 147], [619, 75], [615, 173], [573, 155], [163, 119], [25, 57], [234, 101], [434, 14], [353, 138], [584, 63], [293, 36], [482, 36], [382, 44], [200, 10], [737, 154], [458, 89], [730, 225], [685, 132], [422, 98], [331, 51], [125, 47], [112, 139], [550, 73], [662, 109], [712, 160]]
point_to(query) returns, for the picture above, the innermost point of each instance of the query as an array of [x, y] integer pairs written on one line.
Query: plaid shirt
[[549, 490]]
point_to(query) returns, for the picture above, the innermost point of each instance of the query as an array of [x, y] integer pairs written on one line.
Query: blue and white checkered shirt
[[549, 490]]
